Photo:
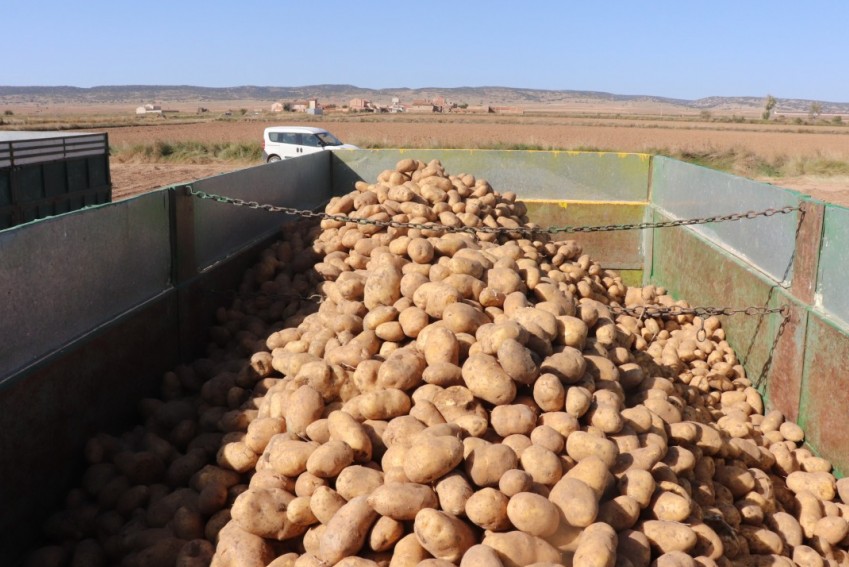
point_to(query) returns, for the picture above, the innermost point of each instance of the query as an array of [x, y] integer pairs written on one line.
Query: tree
[[815, 110], [769, 104]]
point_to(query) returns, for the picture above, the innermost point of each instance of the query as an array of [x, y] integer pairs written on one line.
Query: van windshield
[[328, 139]]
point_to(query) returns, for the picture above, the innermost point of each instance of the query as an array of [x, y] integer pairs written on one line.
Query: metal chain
[[524, 230], [639, 311], [673, 311]]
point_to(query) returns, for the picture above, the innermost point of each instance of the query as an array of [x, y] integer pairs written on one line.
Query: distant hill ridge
[[341, 94]]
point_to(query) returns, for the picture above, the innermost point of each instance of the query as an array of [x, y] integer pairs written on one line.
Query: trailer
[[48, 173], [100, 302]]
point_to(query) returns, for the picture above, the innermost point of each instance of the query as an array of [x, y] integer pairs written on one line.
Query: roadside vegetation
[[191, 152]]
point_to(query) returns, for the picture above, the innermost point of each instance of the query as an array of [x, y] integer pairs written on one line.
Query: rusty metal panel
[[595, 176], [63, 276], [684, 190], [703, 273], [832, 293], [825, 391], [616, 250], [221, 229]]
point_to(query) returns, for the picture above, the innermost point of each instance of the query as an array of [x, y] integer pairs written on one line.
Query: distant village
[[436, 104], [312, 106]]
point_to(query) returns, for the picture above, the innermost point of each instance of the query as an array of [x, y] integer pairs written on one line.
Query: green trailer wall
[[100, 302]]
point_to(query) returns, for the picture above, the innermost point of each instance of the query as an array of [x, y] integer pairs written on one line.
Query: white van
[[284, 142]]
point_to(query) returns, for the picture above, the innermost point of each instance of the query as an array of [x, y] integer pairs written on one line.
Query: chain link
[[639, 311], [523, 230], [673, 311]]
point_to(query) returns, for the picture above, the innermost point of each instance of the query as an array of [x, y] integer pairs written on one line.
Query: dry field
[[631, 128], [768, 141]]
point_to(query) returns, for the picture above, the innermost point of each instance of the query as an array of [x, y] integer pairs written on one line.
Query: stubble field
[[754, 150]]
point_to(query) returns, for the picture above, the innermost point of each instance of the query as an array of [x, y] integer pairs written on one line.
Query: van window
[[283, 137], [309, 140]]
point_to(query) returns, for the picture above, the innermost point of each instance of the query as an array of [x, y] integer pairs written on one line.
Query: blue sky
[[680, 49]]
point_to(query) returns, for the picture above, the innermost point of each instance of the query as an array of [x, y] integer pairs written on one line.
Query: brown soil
[[487, 130], [130, 179]]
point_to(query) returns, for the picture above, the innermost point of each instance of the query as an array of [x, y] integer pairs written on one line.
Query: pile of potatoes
[[470, 399]]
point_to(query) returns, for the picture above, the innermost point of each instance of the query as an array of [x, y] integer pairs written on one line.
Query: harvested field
[[538, 132], [773, 142]]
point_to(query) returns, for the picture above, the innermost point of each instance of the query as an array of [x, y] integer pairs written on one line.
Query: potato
[[347, 530], [408, 552], [549, 393], [239, 547], [580, 445], [402, 369], [543, 465], [518, 549], [761, 540], [675, 559], [517, 361], [516, 418], [358, 480], [568, 365], [546, 436], [453, 490], [670, 507], [439, 345], [288, 457], [635, 546], [383, 286], [515, 481], [533, 514], [443, 536], [577, 501], [328, 460], [481, 556], [413, 319], [620, 513], [805, 556], [385, 533], [821, 484], [487, 508], [669, 536], [594, 473], [597, 547], [260, 431], [463, 318], [402, 500], [708, 542], [325, 502], [262, 512], [378, 405], [342, 427], [300, 513], [432, 458], [305, 406], [434, 297], [487, 380]]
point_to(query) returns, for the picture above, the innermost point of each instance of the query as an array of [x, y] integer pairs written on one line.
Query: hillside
[[341, 94]]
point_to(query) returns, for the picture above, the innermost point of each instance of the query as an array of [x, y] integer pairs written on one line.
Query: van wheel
[[273, 159]]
